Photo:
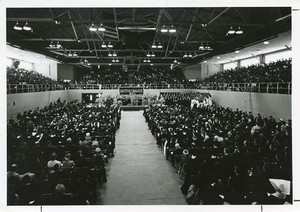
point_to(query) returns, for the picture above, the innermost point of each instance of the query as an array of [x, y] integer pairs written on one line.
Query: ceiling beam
[[217, 16], [79, 21], [121, 64], [191, 26], [112, 40], [125, 50], [133, 15], [241, 15], [116, 23], [106, 57], [73, 27], [110, 36]]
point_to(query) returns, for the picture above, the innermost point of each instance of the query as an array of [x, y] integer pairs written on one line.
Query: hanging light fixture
[[152, 55], [185, 55], [153, 46], [231, 31], [144, 60], [75, 54], [239, 31], [208, 47], [101, 28], [17, 26], [117, 60], [51, 44], [103, 45], [175, 61], [190, 55], [113, 60], [93, 28], [148, 54], [109, 64], [58, 45], [114, 54], [159, 46], [109, 45], [172, 30], [148, 60], [109, 54], [201, 47], [164, 29], [26, 27], [70, 54], [151, 64]]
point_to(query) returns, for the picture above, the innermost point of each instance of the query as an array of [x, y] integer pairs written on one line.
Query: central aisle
[[139, 174]]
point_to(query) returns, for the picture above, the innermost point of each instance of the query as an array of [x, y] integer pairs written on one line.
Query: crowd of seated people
[[280, 71], [57, 154], [145, 76], [226, 156], [193, 99], [23, 76], [113, 76], [154, 76]]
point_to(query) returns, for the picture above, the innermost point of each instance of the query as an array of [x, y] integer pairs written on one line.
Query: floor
[[139, 174]]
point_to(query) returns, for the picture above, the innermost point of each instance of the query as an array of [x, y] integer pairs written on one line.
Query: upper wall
[[200, 71], [192, 72], [209, 69], [276, 105], [32, 61], [69, 72], [21, 102]]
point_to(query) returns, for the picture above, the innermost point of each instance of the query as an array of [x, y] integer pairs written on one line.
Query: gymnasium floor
[[139, 174]]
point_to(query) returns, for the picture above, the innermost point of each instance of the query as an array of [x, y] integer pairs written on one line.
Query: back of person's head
[[26, 179], [12, 180], [56, 167], [68, 156], [53, 156], [60, 190], [226, 151], [13, 167]]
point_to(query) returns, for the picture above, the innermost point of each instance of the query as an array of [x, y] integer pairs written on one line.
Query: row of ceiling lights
[[112, 54], [187, 55], [74, 54], [171, 30], [94, 28], [26, 27], [205, 47], [150, 55], [104, 45], [57, 45], [158, 46], [232, 31], [147, 61]]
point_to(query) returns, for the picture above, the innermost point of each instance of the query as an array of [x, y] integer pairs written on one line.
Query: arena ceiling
[[201, 33]]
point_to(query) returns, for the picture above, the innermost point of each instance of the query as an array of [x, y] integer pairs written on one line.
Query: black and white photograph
[[165, 104]]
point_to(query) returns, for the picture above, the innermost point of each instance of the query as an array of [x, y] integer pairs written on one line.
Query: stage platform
[[133, 107]]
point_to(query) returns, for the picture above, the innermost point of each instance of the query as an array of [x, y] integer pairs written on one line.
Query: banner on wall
[[127, 91]]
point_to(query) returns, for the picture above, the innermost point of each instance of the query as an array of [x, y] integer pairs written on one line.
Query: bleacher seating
[[280, 71], [22, 76]]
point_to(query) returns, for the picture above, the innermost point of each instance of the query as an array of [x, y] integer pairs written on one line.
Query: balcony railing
[[264, 87]]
